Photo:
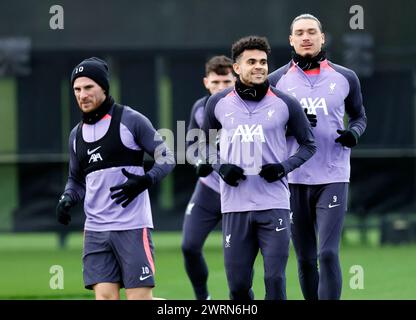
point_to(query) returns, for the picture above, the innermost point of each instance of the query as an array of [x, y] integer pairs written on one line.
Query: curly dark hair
[[220, 65], [249, 43]]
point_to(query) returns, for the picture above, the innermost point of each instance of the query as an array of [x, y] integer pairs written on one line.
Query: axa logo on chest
[[311, 104], [247, 133], [94, 156]]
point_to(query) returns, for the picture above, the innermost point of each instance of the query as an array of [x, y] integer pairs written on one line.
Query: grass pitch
[[26, 261]]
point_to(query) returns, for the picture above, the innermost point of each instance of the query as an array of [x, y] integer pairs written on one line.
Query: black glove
[[62, 209], [231, 173], [131, 188], [203, 169], [312, 118], [348, 138], [272, 172]]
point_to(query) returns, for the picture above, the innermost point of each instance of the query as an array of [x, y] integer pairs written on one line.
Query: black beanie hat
[[95, 69]]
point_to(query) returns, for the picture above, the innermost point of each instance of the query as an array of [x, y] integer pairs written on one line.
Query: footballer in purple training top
[[253, 163], [106, 173], [204, 208], [319, 187]]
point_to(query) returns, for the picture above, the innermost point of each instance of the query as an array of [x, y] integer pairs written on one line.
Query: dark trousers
[[202, 215], [244, 234], [318, 214]]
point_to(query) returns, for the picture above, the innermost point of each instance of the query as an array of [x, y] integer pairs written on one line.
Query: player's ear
[[323, 38], [290, 40], [206, 82], [236, 68]]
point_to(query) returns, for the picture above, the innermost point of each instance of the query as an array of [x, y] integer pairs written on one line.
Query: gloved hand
[[62, 209], [231, 173], [130, 189], [312, 120], [311, 117], [348, 138], [272, 172], [203, 169]]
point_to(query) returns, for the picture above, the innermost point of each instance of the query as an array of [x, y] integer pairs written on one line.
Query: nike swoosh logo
[[229, 114], [92, 151], [333, 206], [144, 278], [290, 89], [277, 229]]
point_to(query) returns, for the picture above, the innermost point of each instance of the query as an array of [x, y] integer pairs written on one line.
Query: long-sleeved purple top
[[330, 94], [102, 213], [253, 134], [195, 122]]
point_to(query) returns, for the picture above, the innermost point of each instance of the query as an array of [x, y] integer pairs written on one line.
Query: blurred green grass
[[25, 261]]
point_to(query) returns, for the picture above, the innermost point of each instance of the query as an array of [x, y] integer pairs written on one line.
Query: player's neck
[[256, 92], [96, 115], [309, 63]]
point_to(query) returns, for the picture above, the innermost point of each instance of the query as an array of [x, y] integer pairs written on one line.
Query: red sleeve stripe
[[147, 250]]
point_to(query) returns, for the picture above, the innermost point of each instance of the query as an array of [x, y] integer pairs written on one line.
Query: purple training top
[[102, 213], [331, 93], [253, 134], [197, 118]]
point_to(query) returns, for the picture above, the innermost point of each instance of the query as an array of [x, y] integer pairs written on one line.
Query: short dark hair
[[249, 43], [306, 16], [220, 65]]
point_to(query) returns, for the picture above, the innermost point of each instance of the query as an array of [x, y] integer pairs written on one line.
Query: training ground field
[[26, 259]]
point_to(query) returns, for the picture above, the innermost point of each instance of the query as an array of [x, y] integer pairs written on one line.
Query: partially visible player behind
[[319, 187], [204, 209]]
